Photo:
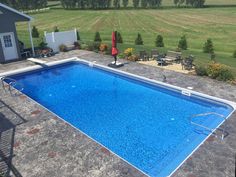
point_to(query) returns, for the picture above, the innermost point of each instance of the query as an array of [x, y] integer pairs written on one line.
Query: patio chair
[[154, 54], [143, 55], [161, 60], [23, 52], [187, 63]]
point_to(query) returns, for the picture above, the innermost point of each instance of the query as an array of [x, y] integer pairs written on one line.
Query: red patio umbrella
[[114, 50]]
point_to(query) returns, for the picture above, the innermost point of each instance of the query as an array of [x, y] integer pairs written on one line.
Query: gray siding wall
[[7, 24]]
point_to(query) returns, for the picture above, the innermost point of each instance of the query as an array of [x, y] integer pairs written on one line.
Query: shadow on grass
[[9, 120]]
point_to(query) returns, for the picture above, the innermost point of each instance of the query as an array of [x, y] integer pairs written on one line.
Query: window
[[7, 41]]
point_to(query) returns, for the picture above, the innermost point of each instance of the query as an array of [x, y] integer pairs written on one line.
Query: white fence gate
[[55, 39]]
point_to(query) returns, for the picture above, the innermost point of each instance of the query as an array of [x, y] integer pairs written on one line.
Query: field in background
[[197, 24]]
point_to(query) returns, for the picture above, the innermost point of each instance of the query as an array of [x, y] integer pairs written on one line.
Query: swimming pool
[[145, 123]]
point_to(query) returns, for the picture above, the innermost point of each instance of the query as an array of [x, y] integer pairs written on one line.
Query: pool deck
[[34, 142]]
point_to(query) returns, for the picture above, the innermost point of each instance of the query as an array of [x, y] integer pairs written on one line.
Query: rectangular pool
[[147, 124]]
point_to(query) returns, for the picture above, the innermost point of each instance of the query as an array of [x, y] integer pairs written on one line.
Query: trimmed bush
[[56, 29], [139, 40], [77, 45], [201, 70], [159, 41], [63, 48], [35, 33], [219, 71], [208, 46], [97, 37], [119, 38], [234, 54], [103, 47], [42, 44], [183, 43]]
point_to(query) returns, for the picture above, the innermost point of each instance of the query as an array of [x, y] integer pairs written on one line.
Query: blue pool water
[[146, 125]]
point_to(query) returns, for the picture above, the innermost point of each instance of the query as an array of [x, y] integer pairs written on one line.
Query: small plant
[[97, 37], [201, 70], [119, 38], [63, 48], [234, 54], [103, 47], [159, 41], [133, 58], [128, 52], [183, 43], [121, 55], [139, 40], [35, 33], [56, 29], [77, 45], [208, 46]]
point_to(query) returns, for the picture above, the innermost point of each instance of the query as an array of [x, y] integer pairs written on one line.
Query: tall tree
[[125, 3], [136, 3], [116, 4], [144, 3]]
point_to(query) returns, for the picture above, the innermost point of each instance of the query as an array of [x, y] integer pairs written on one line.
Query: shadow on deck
[[9, 119]]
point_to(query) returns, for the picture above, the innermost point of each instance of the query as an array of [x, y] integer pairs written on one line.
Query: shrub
[[121, 55], [93, 46], [103, 47], [133, 58], [208, 46], [219, 72], [183, 43], [234, 54], [128, 52], [119, 38], [42, 44], [84, 46], [63, 48], [35, 33], [159, 41], [77, 45], [139, 40], [97, 37], [56, 29], [201, 70]]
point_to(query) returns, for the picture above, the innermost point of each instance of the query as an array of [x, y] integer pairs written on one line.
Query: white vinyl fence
[[55, 39]]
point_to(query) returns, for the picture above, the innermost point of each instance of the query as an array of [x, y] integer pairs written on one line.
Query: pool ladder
[[207, 128], [8, 84]]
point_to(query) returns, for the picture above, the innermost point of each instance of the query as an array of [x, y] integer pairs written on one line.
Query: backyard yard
[[196, 24]]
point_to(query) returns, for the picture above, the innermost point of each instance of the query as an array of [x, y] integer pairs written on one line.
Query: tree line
[[98, 4], [106, 4], [25, 4]]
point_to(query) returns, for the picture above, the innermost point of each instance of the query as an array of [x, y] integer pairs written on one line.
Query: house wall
[[7, 21]]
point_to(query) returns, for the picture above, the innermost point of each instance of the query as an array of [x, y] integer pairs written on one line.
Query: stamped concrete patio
[[34, 142]]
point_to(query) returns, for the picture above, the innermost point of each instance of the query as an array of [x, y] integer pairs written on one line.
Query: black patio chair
[[187, 63], [161, 60]]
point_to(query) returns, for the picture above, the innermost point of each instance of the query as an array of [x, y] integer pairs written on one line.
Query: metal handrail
[[12, 83], [210, 129]]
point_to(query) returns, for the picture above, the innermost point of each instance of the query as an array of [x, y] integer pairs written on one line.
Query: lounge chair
[[161, 60], [143, 55], [188, 63]]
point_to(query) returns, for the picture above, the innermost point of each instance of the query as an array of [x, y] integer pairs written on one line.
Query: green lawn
[[197, 24]]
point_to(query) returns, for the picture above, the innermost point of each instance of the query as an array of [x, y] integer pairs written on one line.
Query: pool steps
[[207, 128]]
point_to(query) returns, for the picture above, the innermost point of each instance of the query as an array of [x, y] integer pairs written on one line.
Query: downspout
[[31, 39]]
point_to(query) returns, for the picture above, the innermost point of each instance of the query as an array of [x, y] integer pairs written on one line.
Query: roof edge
[[16, 11]]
